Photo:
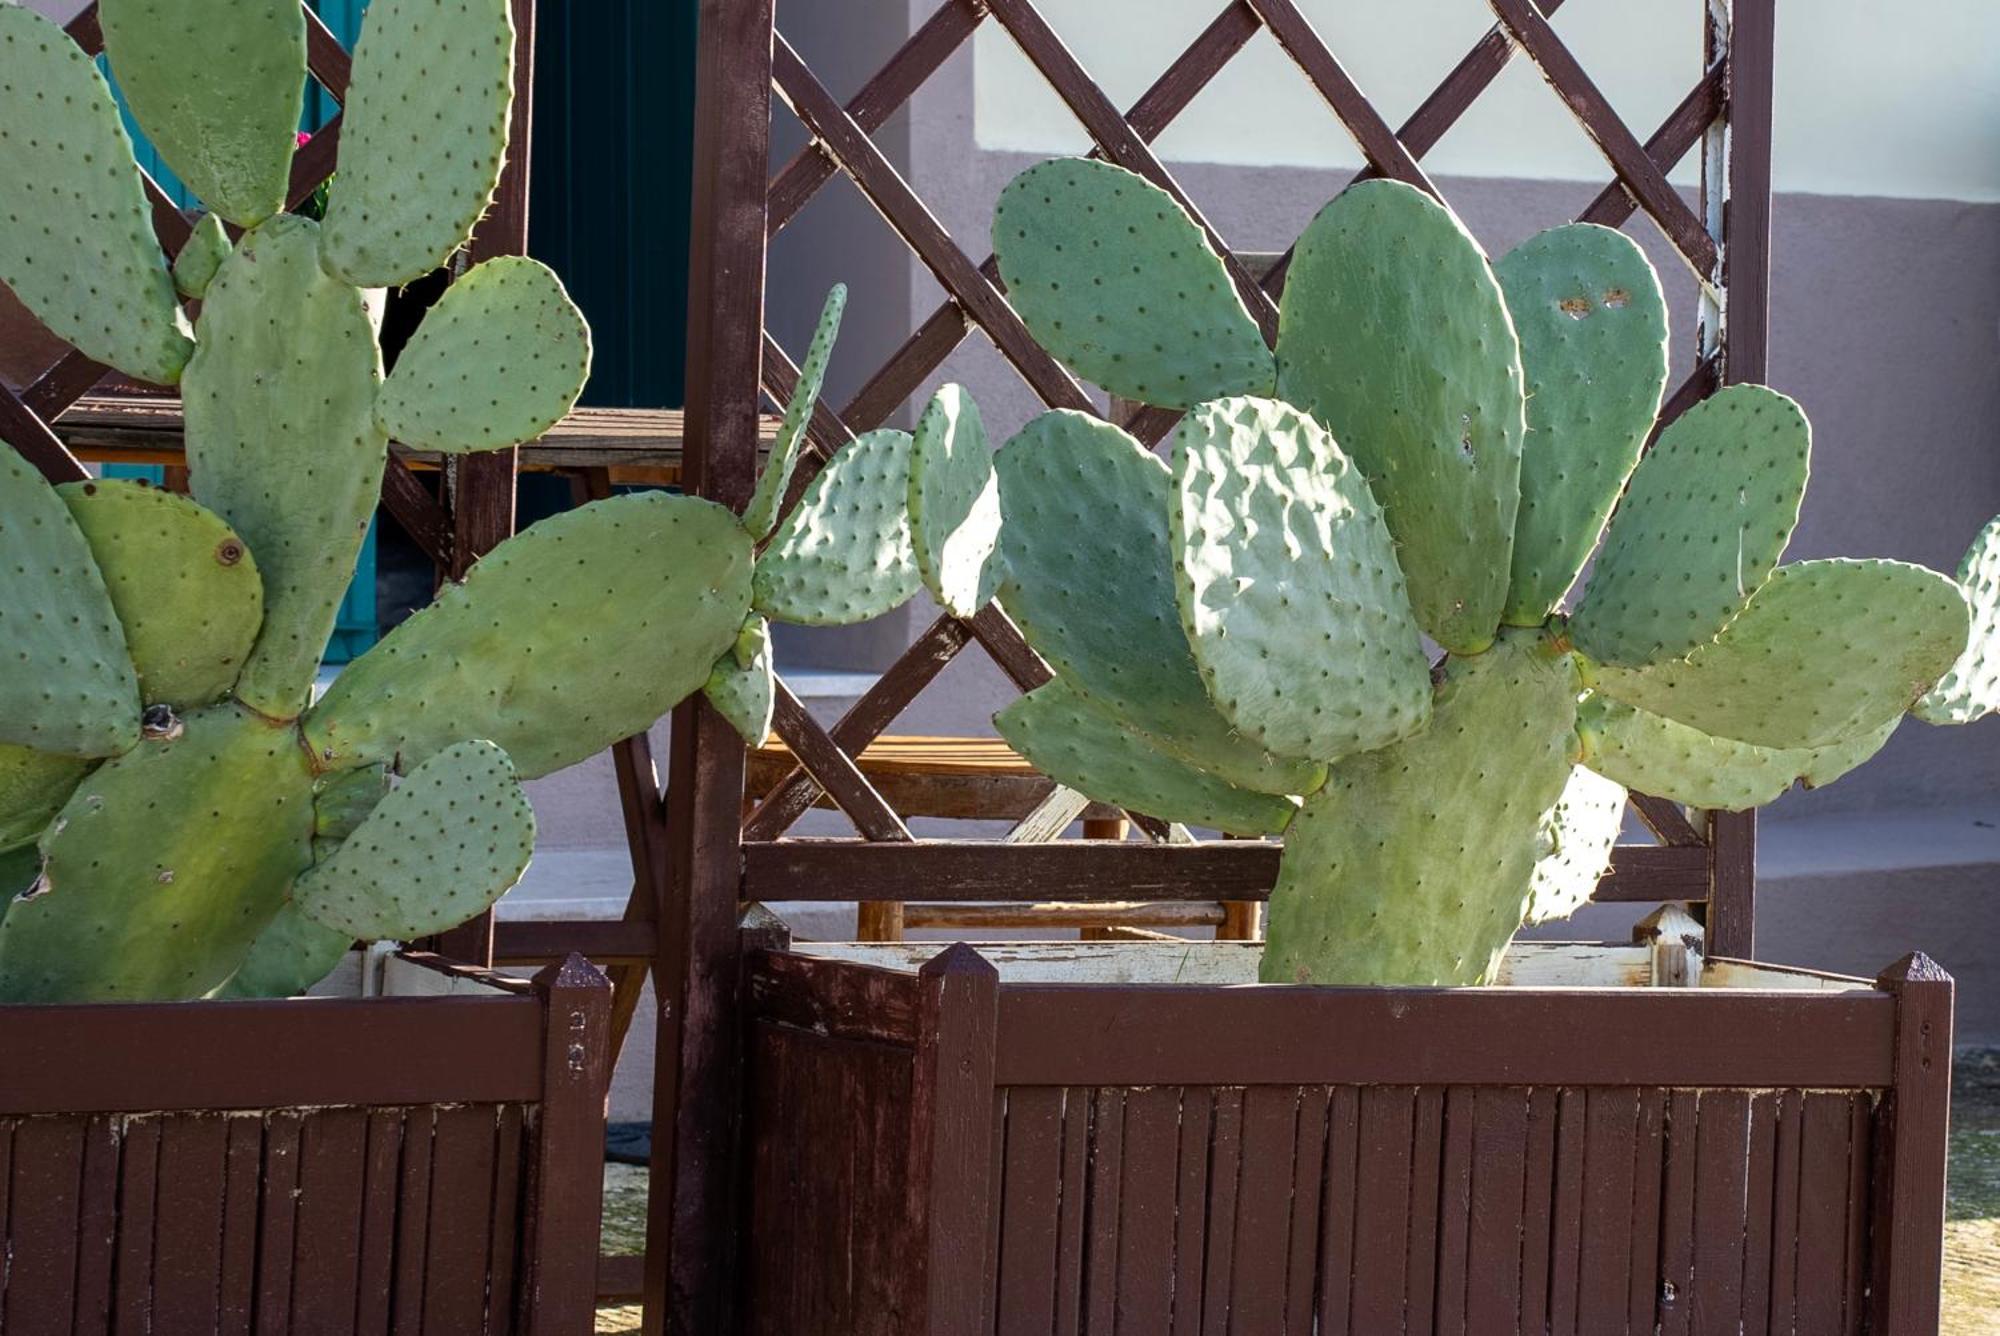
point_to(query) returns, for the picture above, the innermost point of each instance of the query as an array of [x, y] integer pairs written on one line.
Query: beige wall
[[1873, 98]]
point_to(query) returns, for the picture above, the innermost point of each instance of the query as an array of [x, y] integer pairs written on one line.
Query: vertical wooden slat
[[1030, 1198], [138, 1194], [1611, 1119], [48, 1176], [1492, 1299], [566, 1199], [1075, 1195], [7, 1126], [1861, 1166], [995, 1218], [460, 1217], [413, 1220], [1822, 1249], [1338, 1203], [1263, 1210], [504, 1241], [1455, 1210], [1759, 1203], [1785, 1211], [187, 1248], [1677, 1214], [1566, 1246], [1720, 1208], [1382, 1208], [1909, 1151], [949, 1122], [327, 1266], [1146, 1209], [97, 1227], [1225, 1168], [236, 1297], [1538, 1180], [376, 1269], [1426, 1164], [1191, 1202], [1648, 1176], [1100, 1245], [1308, 1171]]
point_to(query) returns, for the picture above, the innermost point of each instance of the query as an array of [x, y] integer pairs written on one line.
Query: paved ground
[[1972, 1224]]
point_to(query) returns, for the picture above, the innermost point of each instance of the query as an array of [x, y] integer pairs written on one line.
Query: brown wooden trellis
[[706, 857]]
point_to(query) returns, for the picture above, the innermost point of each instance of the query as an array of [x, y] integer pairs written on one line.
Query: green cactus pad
[[843, 555], [580, 630], [164, 866], [33, 787], [743, 686], [1653, 754], [291, 955], [1062, 736], [496, 362], [1825, 650], [1575, 843], [955, 504], [77, 246], [282, 441], [66, 681], [446, 843], [217, 85], [1089, 576], [184, 585], [1114, 279], [195, 267], [422, 136], [761, 515], [1971, 689], [1288, 586], [1415, 863], [1593, 327], [1705, 518], [1393, 333], [18, 870]]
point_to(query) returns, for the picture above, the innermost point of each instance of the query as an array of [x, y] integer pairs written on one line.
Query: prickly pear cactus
[[1454, 806], [174, 821]]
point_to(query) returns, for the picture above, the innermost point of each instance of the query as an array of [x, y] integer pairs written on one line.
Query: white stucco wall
[[1873, 98]]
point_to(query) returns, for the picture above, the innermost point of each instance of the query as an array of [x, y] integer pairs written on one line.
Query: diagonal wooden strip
[[1117, 141], [1386, 154], [326, 57], [834, 770], [925, 350], [86, 31], [27, 433], [1620, 147], [1666, 820], [1669, 144], [313, 162], [1701, 383], [74, 376], [892, 85], [899, 206], [864, 721], [419, 513]]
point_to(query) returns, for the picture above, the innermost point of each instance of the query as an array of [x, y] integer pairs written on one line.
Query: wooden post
[[951, 1132], [566, 1190], [692, 1208], [1911, 1131]]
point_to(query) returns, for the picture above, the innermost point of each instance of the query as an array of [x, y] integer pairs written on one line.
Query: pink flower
[[305, 137]]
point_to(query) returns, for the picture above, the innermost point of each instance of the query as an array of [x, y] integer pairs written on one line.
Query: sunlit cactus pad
[[1971, 689], [955, 504], [843, 555]]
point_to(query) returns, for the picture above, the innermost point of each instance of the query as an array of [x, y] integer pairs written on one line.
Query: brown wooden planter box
[[408, 1164], [960, 1150]]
